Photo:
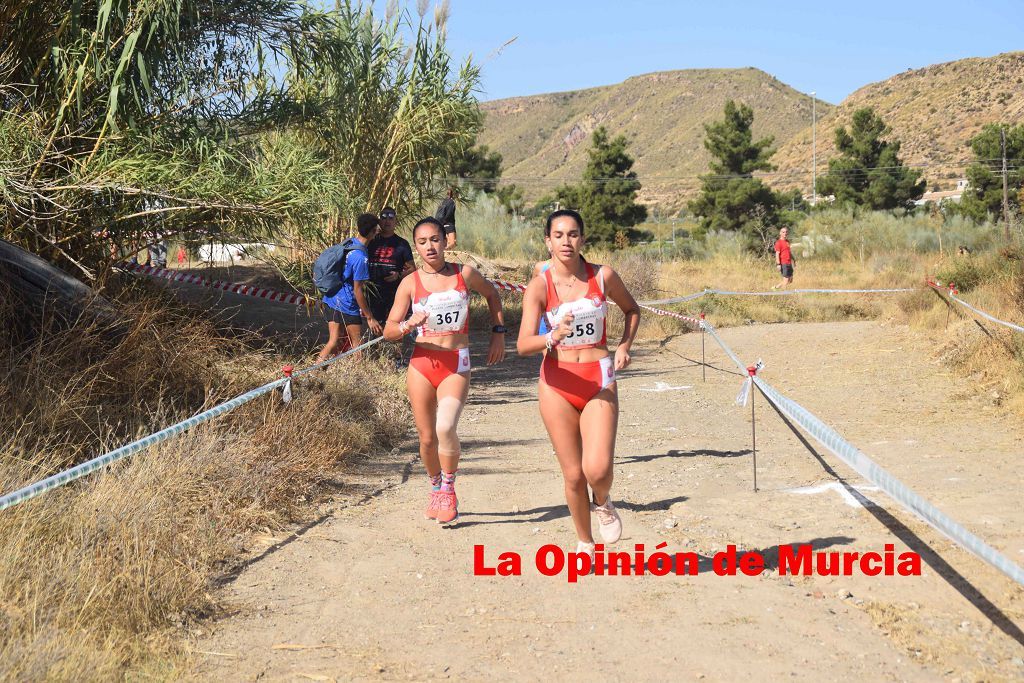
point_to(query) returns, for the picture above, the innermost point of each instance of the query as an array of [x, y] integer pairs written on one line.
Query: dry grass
[[96, 577]]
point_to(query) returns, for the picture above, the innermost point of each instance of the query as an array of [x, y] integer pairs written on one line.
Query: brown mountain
[[544, 138], [933, 111]]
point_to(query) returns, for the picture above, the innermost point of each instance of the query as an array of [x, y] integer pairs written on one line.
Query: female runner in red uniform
[[579, 400], [438, 374]]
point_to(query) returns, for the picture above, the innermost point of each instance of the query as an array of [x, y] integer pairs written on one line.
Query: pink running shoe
[[447, 508], [433, 506], [610, 525]]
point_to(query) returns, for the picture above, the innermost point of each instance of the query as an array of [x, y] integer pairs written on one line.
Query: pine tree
[[984, 194], [731, 198], [869, 172], [606, 198]]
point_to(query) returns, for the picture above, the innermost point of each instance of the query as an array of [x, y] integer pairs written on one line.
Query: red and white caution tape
[[258, 292], [510, 286], [233, 287], [299, 300], [696, 322]]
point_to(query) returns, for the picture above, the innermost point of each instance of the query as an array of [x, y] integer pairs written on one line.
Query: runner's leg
[[562, 421], [423, 398], [598, 425], [334, 336], [355, 335], [451, 399]]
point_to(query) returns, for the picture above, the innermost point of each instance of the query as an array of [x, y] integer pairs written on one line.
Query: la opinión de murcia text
[[792, 560]]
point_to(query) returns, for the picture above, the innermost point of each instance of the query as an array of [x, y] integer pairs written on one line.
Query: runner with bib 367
[[438, 375], [579, 400]]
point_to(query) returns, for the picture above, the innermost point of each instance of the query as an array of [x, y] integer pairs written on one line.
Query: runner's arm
[[617, 292], [409, 264], [360, 294], [403, 300], [529, 341], [477, 282]]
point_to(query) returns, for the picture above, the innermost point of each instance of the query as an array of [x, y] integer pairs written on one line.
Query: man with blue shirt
[[349, 305]]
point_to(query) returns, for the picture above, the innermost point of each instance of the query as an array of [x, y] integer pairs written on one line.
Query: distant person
[[784, 259], [390, 260], [445, 215], [182, 256], [348, 305], [158, 254]]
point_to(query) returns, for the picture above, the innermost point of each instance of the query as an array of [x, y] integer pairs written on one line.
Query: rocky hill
[[933, 111], [544, 138]]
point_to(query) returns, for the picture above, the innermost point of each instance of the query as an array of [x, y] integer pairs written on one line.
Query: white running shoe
[[588, 548], [608, 520]]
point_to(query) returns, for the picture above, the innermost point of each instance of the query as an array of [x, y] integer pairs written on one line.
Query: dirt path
[[373, 591]]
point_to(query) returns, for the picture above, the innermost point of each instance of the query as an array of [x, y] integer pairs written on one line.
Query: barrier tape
[[233, 287], [874, 473], [85, 468], [300, 300], [698, 322], [744, 395], [951, 292], [781, 292], [258, 292]]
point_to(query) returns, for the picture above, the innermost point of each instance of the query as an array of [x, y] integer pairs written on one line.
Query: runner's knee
[[598, 473], [449, 408], [575, 480]]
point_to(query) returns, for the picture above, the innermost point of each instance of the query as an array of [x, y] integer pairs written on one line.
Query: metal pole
[[703, 363], [753, 430], [1006, 201], [814, 148]]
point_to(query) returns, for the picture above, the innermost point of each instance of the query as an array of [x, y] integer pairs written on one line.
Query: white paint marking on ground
[[664, 386], [848, 498]]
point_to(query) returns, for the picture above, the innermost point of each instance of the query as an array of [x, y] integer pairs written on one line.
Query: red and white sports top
[[447, 311], [589, 312]]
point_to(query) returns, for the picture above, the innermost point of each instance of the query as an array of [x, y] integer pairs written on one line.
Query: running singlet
[[589, 312], [447, 311]]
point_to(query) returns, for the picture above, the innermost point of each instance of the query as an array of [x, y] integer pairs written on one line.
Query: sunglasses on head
[[387, 215]]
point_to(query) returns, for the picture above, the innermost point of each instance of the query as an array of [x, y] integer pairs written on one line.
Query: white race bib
[[587, 324], [446, 311]]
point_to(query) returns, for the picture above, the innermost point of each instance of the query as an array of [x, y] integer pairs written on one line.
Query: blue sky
[[831, 48]]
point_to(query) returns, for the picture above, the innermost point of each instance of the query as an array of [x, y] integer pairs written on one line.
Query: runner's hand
[[564, 328], [497, 350], [374, 325], [417, 319], [622, 358]]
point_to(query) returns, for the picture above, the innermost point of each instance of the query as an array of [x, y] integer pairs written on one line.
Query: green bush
[[485, 228]]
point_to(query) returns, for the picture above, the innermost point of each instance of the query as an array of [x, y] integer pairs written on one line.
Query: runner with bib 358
[[579, 400]]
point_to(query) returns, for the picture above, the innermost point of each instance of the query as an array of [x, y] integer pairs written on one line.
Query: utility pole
[[814, 148], [1006, 199]]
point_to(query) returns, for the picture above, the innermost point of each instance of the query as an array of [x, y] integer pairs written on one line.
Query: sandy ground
[[372, 591]]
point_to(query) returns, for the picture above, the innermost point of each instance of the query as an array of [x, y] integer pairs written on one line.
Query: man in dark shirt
[[390, 260], [446, 217]]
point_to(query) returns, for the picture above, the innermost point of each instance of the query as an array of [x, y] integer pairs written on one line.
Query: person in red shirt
[[784, 258]]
